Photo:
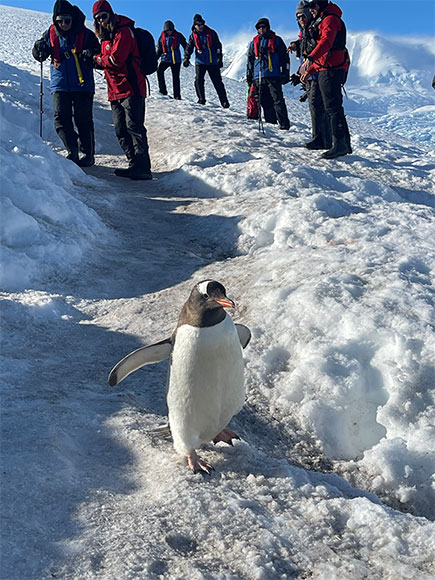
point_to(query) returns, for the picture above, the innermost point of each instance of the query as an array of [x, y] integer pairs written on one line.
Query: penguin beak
[[225, 302]]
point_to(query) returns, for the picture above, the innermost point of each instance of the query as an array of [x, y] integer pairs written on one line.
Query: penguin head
[[210, 294]]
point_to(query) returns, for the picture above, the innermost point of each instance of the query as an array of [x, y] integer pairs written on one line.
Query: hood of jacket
[[332, 9]]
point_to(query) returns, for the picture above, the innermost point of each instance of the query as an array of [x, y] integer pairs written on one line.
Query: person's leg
[[161, 76], [275, 89], [200, 83], [266, 102], [134, 108], [330, 83], [124, 139], [175, 68], [82, 104], [320, 123], [62, 102], [216, 78]]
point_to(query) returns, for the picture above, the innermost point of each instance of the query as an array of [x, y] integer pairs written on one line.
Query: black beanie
[[168, 25], [62, 7], [322, 4], [263, 22], [198, 19]]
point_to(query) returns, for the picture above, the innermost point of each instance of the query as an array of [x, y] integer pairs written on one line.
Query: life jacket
[[55, 43], [174, 46], [209, 41], [270, 47], [339, 41]]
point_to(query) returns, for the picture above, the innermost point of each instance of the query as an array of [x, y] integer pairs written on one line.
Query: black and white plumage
[[206, 381]]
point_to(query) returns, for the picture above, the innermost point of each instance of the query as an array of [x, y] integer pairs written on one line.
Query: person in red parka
[[120, 59], [330, 59]]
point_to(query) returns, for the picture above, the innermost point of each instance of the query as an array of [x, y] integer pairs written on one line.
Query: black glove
[[87, 57], [303, 97], [41, 50], [295, 79], [186, 63]]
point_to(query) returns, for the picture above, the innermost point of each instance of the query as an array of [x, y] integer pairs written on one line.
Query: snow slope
[[331, 266]]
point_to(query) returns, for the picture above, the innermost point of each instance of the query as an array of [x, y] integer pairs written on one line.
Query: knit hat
[[168, 25], [62, 7], [101, 6], [322, 4], [198, 19], [302, 8], [263, 22]]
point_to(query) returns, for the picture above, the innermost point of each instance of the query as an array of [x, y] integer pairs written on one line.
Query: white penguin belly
[[206, 385]]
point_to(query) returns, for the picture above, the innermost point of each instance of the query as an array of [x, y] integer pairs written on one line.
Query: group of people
[[113, 47]]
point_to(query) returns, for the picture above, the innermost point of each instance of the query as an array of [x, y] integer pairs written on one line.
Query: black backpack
[[147, 51]]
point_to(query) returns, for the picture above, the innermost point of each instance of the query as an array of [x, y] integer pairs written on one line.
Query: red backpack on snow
[[252, 103]]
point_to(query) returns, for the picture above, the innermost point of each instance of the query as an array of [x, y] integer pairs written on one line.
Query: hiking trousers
[[272, 101], [321, 127], [175, 69], [216, 78], [128, 116], [78, 106], [330, 83]]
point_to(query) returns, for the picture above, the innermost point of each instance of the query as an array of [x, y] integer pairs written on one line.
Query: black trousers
[[128, 118], [77, 106], [330, 83], [216, 78], [321, 127], [175, 69], [272, 101]]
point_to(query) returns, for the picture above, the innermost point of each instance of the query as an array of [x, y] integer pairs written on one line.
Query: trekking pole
[[41, 95]]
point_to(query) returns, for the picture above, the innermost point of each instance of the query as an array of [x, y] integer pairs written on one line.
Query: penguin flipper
[[146, 355], [244, 334]]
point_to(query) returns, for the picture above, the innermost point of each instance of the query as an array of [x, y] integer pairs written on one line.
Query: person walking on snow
[[321, 130], [268, 68], [71, 47], [168, 50], [120, 59], [208, 58], [330, 59]]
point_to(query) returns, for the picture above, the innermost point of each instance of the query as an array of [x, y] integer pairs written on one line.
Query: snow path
[[121, 504]]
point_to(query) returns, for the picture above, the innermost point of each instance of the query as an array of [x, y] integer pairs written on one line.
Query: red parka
[[120, 59], [324, 56]]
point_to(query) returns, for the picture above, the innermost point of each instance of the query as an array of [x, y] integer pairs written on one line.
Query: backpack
[[252, 103], [147, 51]]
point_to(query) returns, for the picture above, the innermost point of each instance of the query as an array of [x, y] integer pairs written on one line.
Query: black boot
[[339, 148], [316, 144], [123, 172], [86, 161]]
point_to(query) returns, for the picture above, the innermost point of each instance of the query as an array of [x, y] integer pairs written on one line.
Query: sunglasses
[[261, 26], [301, 17], [64, 20], [102, 16]]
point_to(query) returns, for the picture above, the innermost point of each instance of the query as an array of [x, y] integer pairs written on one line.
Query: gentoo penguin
[[206, 378]]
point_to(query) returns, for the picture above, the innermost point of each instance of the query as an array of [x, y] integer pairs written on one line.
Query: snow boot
[[123, 172], [86, 161], [140, 174], [316, 144], [338, 149]]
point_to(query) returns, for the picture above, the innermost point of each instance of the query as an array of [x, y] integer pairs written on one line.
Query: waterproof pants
[[77, 106], [330, 83], [216, 78], [321, 127], [271, 99], [175, 69], [128, 116]]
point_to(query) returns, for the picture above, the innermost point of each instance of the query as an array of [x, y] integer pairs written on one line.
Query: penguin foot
[[198, 465], [227, 436]]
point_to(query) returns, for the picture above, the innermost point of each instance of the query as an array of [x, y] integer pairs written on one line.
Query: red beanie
[[101, 6]]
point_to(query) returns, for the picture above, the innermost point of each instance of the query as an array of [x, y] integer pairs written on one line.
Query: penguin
[[206, 375]]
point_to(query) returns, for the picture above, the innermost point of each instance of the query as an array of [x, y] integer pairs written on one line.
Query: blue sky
[[227, 17]]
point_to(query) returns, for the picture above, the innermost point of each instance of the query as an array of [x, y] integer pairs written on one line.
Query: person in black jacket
[[168, 50], [71, 47], [208, 58], [268, 68]]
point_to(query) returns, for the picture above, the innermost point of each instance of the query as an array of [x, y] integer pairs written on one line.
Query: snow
[[331, 266]]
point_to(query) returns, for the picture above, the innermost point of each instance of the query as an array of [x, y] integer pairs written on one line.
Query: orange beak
[[225, 302]]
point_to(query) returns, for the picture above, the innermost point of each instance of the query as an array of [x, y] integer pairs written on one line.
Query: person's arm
[[284, 62], [188, 50], [250, 65], [159, 48], [42, 49], [122, 47]]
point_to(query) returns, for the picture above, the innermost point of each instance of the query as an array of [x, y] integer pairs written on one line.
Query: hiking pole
[[260, 120], [41, 95]]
